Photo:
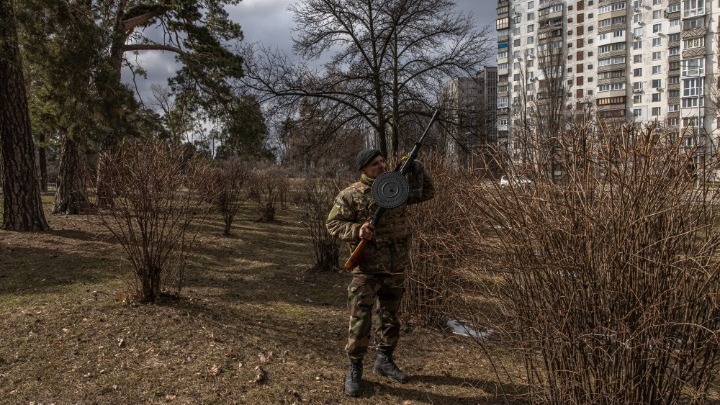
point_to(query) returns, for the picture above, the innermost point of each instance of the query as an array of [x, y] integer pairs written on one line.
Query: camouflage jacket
[[388, 251]]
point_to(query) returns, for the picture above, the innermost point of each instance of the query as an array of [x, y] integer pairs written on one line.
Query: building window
[[531, 27], [694, 23], [637, 72], [637, 58], [516, 42], [611, 87], [675, 22], [655, 111], [693, 87], [657, 28], [656, 41], [657, 14], [694, 43], [657, 69], [637, 112], [693, 8], [657, 55], [656, 83], [674, 108], [656, 97], [675, 50], [611, 61], [637, 99], [692, 102], [693, 67], [612, 7]]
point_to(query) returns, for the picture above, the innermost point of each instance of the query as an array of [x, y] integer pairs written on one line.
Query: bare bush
[[269, 187], [610, 275], [440, 246], [226, 188], [155, 201], [313, 199]]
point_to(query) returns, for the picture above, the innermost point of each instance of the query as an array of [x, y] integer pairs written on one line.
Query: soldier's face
[[375, 168]]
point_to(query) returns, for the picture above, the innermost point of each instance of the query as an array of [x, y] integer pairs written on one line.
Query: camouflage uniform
[[379, 279]]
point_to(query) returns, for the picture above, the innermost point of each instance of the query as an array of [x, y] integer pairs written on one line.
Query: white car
[[515, 181]]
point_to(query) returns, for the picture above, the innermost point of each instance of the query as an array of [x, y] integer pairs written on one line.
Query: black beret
[[366, 156]]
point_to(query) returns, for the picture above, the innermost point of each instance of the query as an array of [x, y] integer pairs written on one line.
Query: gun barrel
[[416, 149]]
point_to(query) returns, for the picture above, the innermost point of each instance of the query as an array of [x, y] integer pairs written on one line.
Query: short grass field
[[251, 326]]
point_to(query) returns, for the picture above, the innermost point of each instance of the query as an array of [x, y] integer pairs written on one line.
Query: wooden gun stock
[[354, 259]]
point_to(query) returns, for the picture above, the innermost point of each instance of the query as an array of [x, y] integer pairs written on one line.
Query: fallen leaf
[[261, 376]]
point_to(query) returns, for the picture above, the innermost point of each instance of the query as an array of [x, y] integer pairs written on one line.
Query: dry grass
[[252, 326]]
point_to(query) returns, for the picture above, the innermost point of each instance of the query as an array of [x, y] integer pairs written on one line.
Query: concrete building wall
[[627, 60]]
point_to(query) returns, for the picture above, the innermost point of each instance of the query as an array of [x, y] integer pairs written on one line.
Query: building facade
[[470, 102], [626, 60]]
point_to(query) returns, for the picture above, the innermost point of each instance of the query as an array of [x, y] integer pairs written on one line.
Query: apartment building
[[470, 103], [626, 60]]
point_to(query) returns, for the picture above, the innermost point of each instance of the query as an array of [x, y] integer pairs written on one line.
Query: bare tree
[[540, 109], [387, 59]]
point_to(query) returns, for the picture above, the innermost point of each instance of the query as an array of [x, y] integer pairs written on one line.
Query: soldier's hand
[[367, 231], [417, 168]]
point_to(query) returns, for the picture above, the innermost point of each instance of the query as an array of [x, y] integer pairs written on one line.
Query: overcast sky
[[270, 23]]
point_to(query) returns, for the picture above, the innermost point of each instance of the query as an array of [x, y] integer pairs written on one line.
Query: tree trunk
[[70, 196], [228, 219], [22, 205], [42, 162], [112, 111]]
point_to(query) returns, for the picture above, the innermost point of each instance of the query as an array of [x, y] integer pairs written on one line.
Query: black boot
[[384, 365], [353, 378]]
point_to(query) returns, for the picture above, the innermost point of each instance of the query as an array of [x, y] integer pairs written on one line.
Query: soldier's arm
[[421, 185], [341, 222]]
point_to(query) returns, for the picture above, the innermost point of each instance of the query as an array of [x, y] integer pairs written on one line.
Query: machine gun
[[390, 190]]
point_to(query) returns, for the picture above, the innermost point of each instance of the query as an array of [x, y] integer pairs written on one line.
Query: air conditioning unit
[[637, 90], [660, 89], [641, 22]]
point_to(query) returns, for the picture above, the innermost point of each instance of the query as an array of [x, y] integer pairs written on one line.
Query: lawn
[[251, 326]]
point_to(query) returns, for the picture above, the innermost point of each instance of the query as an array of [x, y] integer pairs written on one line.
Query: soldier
[[379, 279]]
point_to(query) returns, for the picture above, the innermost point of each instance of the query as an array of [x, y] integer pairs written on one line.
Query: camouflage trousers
[[383, 294]]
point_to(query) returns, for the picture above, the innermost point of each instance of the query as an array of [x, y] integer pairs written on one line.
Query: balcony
[[695, 12]]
